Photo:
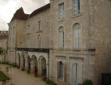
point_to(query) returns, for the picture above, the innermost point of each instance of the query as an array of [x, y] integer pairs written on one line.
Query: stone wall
[[39, 37], [93, 56], [102, 34]]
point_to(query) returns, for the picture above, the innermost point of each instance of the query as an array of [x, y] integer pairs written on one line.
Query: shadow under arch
[[42, 66], [18, 60], [29, 63], [35, 65], [23, 62]]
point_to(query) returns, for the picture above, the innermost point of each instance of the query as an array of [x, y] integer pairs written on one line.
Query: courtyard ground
[[19, 77]]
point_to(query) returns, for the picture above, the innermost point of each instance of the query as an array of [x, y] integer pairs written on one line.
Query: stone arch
[[34, 64], [42, 66]]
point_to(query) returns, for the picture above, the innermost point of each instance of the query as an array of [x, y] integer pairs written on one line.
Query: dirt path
[[19, 77]]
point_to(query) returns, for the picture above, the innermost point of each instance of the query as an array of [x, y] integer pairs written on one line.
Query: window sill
[[39, 31], [60, 20], [75, 16]]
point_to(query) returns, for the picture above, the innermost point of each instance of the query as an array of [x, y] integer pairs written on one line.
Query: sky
[[9, 7]]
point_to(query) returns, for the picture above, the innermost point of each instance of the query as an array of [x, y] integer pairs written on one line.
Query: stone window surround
[[59, 30]]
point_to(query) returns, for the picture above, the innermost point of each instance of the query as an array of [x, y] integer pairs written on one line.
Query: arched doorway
[[29, 63], [43, 68], [35, 65]]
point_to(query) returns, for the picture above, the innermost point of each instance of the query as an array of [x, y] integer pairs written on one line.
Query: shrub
[[1, 51], [11, 84], [28, 72], [88, 82], [49, 82]]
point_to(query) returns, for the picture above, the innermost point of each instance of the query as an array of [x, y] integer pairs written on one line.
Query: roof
[[3, 33], [47, 6], [19, 14]]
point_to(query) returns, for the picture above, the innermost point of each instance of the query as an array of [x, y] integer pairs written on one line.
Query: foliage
[[1, 51], [28, 72], [3, 77], [11, 84], [49, 82], [11, 65], [88, 82], [5, 63]]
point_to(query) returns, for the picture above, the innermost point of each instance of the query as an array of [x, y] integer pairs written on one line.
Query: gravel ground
[[19, 77]]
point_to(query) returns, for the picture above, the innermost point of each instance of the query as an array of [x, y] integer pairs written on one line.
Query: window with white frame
[[61, 11], [77, 35], [76, 7], [61, 37]]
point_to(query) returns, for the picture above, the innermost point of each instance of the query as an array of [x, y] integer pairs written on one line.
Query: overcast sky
[[9, 7]]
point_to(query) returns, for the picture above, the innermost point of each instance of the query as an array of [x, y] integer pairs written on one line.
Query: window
[[39, 24], [61, 11], [76, 7], [60, 70], [61, 37], [39, 41], [77, 36]]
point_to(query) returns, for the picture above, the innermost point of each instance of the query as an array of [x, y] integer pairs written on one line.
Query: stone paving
[[19, 77]]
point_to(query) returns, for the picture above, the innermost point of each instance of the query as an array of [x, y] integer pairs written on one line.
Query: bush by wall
[[88, 82]]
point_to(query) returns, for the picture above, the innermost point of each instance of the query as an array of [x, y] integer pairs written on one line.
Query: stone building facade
[[3, 44], [66, 40]]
